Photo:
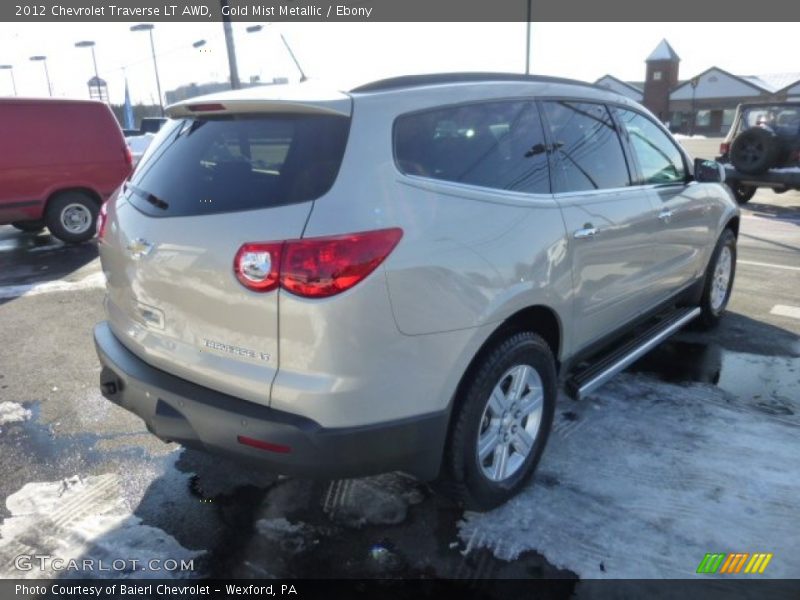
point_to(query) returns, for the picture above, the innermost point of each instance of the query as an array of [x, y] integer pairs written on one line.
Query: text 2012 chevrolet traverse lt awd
[[400, 276]]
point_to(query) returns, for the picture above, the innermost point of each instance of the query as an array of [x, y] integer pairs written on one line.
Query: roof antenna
[[294, 58]]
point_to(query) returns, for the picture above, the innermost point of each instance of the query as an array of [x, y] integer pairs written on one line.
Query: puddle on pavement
[[311, 529], [768, 382]]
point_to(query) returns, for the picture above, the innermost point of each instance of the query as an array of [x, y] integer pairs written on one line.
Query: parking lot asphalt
[[692, 450]]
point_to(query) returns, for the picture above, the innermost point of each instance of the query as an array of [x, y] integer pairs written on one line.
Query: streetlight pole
[[694, 83], [149, 28], [228, 29], [528, 41], [90, 44], [43, 60], [10, 69]]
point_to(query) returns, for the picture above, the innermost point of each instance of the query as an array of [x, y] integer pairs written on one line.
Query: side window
[[659, 159], [586, 145], [492, 144]]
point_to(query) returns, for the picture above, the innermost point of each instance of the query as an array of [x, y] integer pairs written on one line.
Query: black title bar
[[398, 10]]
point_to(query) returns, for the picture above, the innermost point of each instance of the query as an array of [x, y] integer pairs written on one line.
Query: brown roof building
[[706, 103]]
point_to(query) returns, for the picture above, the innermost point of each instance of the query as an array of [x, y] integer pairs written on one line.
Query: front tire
[[500, 429], [741, 192], [718, 280], [72, 217]]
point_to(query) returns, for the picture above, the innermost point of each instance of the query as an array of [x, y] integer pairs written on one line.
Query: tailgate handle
[[587, 232]]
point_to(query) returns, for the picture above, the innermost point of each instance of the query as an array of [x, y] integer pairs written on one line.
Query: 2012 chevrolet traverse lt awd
[[399, 277]]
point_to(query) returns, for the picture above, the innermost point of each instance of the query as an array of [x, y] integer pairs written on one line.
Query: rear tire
[[719, 277], [741, 192], [500, 429], [72, 217], [30, 226]]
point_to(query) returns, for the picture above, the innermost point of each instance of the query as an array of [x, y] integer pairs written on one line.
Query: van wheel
[[72, 217], [718, 280], [501, 428], [30, 226]]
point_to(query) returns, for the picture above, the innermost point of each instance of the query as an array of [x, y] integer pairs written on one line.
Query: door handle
[[665, 215], [585, 233]]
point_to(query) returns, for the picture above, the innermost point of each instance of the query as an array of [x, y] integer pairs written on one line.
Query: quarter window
[[659, 159], [492, 144], [588, 150]]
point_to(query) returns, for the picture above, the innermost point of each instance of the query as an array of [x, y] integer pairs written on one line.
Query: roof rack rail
[[408, 81]]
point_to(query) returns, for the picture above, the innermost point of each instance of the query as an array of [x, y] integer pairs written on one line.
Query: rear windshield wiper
[[151, 198]]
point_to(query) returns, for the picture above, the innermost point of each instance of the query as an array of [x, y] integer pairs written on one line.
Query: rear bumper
[[776, 178], [177, 410]]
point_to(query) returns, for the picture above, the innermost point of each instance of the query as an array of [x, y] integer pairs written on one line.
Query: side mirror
[[708, 171]]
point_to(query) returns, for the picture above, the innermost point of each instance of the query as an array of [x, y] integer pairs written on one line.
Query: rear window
[[784, 120], [204, 166]]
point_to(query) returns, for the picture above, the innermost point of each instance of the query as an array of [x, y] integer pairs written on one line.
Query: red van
[[59, 161]]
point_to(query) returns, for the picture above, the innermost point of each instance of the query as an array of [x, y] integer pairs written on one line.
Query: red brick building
[[708, 99]]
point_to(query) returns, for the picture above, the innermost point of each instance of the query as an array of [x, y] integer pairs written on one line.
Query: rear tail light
[[724, 148], [102, 220], [128, 156], [321, 267], [314, 267]]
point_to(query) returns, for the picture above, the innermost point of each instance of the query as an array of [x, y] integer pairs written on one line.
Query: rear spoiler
[[302, 99]]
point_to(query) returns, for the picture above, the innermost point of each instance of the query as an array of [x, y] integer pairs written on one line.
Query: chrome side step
[[600, 372]]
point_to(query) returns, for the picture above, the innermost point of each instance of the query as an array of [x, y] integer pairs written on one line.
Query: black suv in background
[[762, 149]]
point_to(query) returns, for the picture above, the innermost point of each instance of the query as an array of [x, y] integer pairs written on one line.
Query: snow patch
[[292, 538], [93, 281], [12, 412], [83, 519], [682, 136], [656, 476]]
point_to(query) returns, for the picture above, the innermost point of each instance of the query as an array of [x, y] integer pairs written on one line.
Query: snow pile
[[84, 519], [11, 412], [646, 477]]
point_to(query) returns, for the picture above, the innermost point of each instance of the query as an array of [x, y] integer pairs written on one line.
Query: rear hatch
[[225, 171]]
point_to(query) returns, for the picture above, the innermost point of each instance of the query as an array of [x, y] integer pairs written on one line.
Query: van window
[[659, 159], [496, 145], [587, 147], [203, 166]]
